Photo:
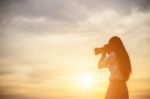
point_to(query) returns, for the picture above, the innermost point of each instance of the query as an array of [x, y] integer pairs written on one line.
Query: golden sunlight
[[87, 80], [91, 80]]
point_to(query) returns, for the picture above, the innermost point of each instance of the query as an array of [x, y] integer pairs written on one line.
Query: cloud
[[122, 6], [57, 10], [49, 16], [68, 10]]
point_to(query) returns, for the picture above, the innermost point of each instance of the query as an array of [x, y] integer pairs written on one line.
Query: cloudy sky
[[47, 47]]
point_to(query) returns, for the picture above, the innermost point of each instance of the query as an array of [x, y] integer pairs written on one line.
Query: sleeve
[[107, 61]]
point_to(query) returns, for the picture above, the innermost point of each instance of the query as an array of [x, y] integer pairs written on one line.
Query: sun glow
[[87, 80], [91, 80]]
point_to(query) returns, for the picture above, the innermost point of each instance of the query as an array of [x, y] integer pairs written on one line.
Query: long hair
[[116, 45]]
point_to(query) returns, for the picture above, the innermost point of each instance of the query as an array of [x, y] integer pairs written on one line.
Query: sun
[[86, 80], [90, 80]]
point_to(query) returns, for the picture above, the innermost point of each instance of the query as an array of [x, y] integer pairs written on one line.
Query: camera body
[[103, 50]]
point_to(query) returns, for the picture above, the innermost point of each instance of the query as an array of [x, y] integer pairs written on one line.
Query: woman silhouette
[[118, 63]]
